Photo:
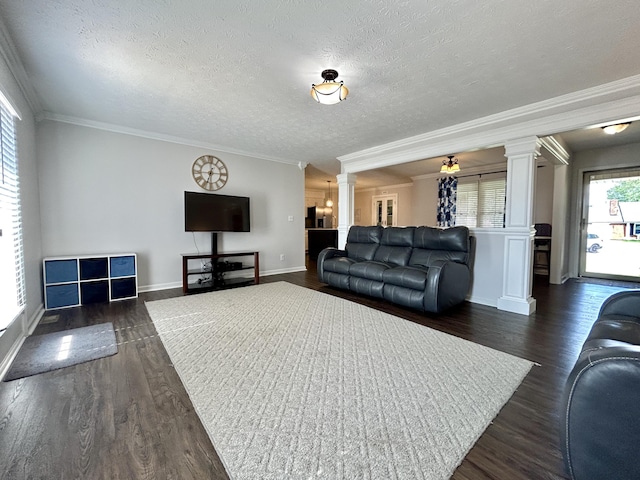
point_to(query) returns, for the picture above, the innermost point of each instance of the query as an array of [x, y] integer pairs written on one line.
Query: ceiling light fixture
[[329, 202], [450, 166], [329, 92], [617, 128]]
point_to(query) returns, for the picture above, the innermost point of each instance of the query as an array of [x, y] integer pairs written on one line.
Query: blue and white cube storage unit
[[71, 281]]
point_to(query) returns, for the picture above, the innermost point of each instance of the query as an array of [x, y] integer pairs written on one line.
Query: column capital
[[522, 146], [346, 178]]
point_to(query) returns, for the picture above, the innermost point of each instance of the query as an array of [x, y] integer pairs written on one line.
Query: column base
[[517, 305]]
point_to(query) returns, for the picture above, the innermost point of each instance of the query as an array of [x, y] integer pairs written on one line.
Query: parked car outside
[[594, 243]]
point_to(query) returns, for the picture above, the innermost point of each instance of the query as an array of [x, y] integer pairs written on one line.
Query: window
[[467, 204], [12, 293], [481, 203]]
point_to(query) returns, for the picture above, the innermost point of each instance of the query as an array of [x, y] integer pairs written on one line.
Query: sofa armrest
[[621, 303], [447, 285], [600, 425], [326, 254]]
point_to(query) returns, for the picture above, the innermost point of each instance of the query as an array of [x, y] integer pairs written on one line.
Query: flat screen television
[[208, 212]]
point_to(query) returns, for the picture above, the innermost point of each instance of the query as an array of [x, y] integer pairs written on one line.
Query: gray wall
[[106, 192], [543, 201]]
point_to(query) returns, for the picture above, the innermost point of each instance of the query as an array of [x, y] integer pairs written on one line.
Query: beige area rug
[[294, 383]]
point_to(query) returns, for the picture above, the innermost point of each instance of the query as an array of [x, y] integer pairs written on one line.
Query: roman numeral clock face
[[209, 172]]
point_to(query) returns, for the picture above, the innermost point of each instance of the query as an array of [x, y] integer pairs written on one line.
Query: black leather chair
[[600, 423]]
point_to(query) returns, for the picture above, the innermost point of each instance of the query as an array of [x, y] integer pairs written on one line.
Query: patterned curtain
[[447, 194]]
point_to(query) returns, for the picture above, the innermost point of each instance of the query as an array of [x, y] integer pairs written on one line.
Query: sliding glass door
[[610, 227]]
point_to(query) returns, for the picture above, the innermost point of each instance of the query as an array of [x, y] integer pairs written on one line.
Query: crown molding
[[559, 154], [109, 127], [376, 189], [601, 104], [12, 59]]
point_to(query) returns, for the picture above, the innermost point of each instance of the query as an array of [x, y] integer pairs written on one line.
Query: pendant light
[[329, 92], [329, 202]]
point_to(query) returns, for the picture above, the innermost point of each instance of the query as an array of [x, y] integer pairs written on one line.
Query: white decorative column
[[346, 205], [519, 232]]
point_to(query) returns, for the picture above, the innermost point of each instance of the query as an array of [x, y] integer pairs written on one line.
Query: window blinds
[[481, 203], [491, 200], [11, 253], [467, 204]]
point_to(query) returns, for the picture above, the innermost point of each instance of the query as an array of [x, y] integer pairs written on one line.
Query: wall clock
[[209, 172]]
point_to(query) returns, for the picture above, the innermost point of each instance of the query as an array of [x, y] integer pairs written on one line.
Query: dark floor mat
[[43, 353]]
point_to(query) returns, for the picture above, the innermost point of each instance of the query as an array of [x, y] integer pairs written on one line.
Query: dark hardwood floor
[[128, 416]]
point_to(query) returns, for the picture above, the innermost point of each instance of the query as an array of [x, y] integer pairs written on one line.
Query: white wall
[[362, 207], [589, 161], [488, 266], [559, 271], [25, 129], [543, 199], [104, 192], [425, 201]]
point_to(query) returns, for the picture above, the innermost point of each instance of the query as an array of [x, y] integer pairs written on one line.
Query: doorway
[[385, 210], [610, 225]]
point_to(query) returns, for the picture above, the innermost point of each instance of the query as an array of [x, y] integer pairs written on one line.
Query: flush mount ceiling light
[[329, 92], [617, 128], [450, 166]]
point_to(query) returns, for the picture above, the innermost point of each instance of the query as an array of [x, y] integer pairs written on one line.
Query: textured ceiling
[[237, 73]]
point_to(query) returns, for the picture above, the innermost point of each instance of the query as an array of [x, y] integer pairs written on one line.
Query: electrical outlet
[[282, 257], [291, 218]]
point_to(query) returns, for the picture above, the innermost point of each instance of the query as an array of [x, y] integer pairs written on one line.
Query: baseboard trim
[[283, 270], [11, 354], [23, 328], [168, 286], [517, 305], [159, 286], [33, 322], [489, 302]]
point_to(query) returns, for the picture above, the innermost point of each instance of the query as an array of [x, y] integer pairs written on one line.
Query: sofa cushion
[[337, 280], [393, 255], [362, 242], [359, 234], [366, 286], [370, 270], [338, 265], [395, 245], [452, 239], [398, 236], [409, 277], [407, 297], [432, 244]]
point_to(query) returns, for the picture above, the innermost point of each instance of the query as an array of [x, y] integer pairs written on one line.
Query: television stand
[[219, 275]]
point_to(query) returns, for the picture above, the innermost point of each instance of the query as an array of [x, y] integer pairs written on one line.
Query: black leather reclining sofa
[[425, 268], [600, 421]]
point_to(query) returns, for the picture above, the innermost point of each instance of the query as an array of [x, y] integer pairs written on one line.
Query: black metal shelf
[[208, 285], [216, 278]]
